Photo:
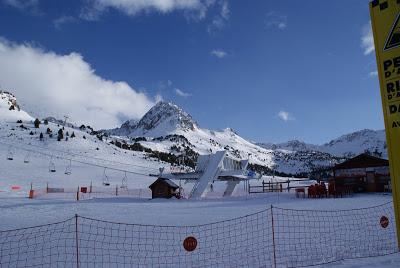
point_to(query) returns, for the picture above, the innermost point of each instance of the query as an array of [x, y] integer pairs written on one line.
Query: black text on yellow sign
[[385, 19]]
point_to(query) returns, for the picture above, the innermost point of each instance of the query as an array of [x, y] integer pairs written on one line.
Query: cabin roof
[[362, 161], [166, 181]]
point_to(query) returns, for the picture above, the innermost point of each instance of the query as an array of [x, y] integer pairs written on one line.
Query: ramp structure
[[215, 167]]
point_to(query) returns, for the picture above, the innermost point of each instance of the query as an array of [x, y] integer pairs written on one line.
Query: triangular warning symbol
[[394, 36]]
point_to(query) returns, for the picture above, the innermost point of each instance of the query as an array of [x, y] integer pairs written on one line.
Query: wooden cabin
[[163, 188], [363, 173]]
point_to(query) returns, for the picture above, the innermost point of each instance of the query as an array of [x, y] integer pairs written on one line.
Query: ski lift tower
[[66, 117], [215, 167]]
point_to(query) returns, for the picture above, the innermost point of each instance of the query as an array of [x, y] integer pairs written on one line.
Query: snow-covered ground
[[18, 212]]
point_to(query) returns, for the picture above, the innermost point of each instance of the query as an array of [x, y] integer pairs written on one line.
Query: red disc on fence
[[384, 222], [190, 243]]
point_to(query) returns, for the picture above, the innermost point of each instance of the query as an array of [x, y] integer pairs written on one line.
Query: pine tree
[[36, 123], [60, 135]]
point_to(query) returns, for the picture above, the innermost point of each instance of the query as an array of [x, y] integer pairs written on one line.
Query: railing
[[81, 193], [279, 186]]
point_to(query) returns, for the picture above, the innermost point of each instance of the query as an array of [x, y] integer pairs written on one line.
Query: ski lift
[[27, 158], [68, 169], [212, 187], [52, 166], [106, 181], [124, 183], [10, 154]]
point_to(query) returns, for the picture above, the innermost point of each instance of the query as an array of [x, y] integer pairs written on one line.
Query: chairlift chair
[[106, 181], [52, 166], [124, 183], [27, 158], [68, 169], [10, 154]]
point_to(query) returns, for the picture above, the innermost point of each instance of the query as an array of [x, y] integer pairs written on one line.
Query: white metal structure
[[215, 167]]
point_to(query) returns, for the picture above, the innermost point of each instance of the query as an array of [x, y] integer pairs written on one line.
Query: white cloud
[[158, 98], [182, 93], [276, 20], [373, 73], [51, 84], [285, 116], [133, 7], [219, 53], [59, 22], [27, 6], [21, 4], [221, 19], [367, 39]]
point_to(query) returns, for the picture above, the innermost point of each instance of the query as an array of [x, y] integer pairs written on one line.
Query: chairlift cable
[[79, 161], [91, 157]]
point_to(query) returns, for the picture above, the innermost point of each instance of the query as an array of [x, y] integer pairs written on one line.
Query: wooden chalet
[[363, 173], [163, 188]]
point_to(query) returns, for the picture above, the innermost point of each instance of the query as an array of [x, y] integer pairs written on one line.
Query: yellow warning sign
[[393, 39], [385, 16]]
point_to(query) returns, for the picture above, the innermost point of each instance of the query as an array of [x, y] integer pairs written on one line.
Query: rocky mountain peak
[[166, 116]]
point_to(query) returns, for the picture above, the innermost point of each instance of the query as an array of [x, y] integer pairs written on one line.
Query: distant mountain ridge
[[349, 145], [168, 128]]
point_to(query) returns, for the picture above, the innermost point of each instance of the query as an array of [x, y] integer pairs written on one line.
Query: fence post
[[76, 240], [273, 235], [31, 192]]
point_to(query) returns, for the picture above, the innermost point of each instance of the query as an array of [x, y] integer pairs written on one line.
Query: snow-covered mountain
[[163, 119], [293, 145], [168, 129], [30, 150], [358, 142], [10, 110], [349, 145]]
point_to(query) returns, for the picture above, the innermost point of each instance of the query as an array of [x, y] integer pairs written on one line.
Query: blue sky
[[271, 70]]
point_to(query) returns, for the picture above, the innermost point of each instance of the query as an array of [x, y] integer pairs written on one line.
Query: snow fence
[[275, 237]]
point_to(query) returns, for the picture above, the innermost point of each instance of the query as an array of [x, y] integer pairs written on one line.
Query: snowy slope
[[89, 158], [357, 143], [10, 110]]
